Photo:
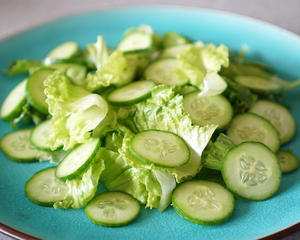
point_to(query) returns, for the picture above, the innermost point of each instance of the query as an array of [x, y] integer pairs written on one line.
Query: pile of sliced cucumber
[[243, 158]]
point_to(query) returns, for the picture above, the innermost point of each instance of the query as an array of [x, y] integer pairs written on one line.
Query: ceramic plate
[[250, 220]]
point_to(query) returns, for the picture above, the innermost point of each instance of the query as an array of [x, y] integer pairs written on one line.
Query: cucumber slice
[[259, 84], [208, 110], [44, 189], [75, 72], [203, 202], [288, 161], [13, 103], [64, 51], [113, 209], [77, 160], [251, 127], [163, 71], [173, 52], [40, 135], [35, 89], [172, 39], [252, 171], [160, 148], [187, 89], [279, 116], [17, 147], [132, 93], [136, 42]]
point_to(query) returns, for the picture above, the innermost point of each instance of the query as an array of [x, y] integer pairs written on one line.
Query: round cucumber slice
[[136, 42], [13, 103], [77, 160], [163, 71], [279, 116], [258, 83], [251, 127], [160, 148], [44, 189], [64, 51], [35, 89], [252, 171], [173, 52], [203, 202], [208, 110], [40, 135], [17, 147], [288, 161], [112, 209], [132, 93]]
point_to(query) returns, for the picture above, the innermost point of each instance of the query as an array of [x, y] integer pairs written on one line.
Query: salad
[[160, 120]]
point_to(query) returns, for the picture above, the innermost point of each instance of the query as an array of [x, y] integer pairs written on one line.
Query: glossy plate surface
[[250, 220]]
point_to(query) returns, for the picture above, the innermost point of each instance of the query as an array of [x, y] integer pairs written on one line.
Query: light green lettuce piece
[[152, 187], [164, 111], [53, 157], [75, 111], [201, 63], [187, 171], [108, 124], [98, 52], [116, 70], [167, 184], [83, 188], [22, 66]]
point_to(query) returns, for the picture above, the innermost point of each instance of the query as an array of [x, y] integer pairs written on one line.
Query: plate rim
[[14, 233]]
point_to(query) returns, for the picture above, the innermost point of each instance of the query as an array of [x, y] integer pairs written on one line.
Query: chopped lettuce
[[200, 64], [22, 66], [214, 153], [239, 96], [116, 70], [75, 112], [164, 111], [83, 188], [53, 157], [98, 52], [152, 187]]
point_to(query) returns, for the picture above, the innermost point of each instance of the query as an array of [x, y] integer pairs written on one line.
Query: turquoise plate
[[250, 220]]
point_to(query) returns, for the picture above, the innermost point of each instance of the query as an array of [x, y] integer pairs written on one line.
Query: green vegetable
[[116, 70], [164, 111], [152, 187], [75, 112], [213, 155], [173, 39], [98, 52], [22, 66], [201, 64], [82, 188]]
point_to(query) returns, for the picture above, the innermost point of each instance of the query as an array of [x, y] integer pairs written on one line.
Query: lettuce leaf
[[215, 152], [164, 111], [152, 187], [22, 66], [201, 63], [116, 70], [83, 188], [98, 52], [75, 111]]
